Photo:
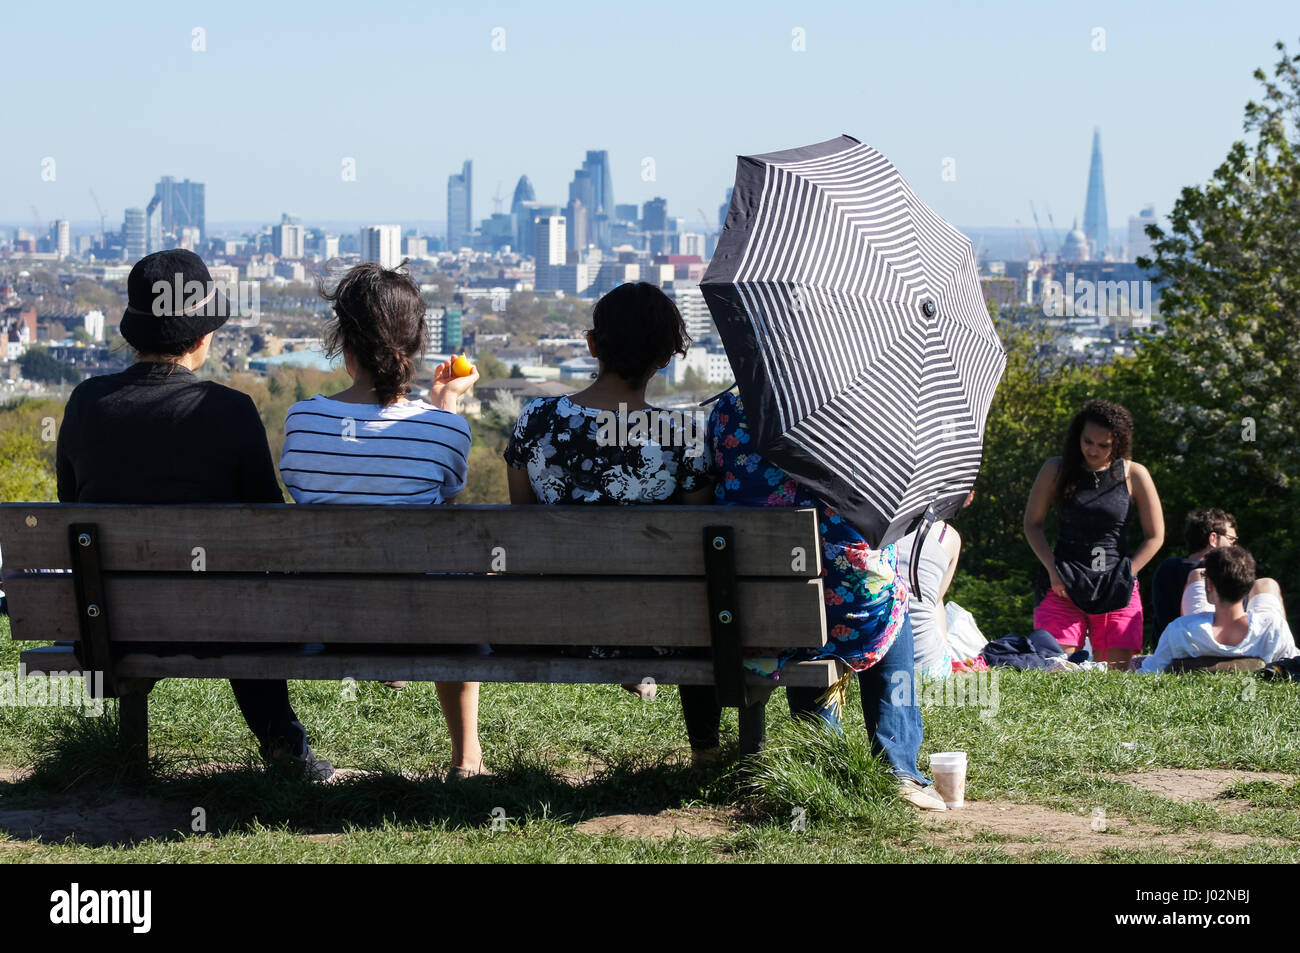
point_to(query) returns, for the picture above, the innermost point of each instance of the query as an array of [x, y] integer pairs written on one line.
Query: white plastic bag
[[964, 636]]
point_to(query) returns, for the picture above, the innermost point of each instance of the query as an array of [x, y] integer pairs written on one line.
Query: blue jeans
[[890, 708]]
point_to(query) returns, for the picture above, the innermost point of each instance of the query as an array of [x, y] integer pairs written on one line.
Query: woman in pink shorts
[[1087, 586]]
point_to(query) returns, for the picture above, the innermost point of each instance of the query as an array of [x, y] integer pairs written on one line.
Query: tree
[[26, 466], [516, 371], [490, 367], [693, 382], [1226, 375], [37, 365]]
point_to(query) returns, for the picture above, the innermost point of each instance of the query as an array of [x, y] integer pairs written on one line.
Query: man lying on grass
[[1221, 626]]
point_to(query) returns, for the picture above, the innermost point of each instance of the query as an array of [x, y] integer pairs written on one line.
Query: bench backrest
[[527, 575]]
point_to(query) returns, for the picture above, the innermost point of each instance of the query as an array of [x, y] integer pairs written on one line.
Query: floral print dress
[[575, 454], [866, 598], [580, 455]]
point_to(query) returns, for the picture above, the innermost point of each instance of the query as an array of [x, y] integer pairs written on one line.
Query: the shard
[[1095, 225]]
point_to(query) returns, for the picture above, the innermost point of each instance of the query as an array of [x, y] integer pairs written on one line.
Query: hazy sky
[[284, 92]]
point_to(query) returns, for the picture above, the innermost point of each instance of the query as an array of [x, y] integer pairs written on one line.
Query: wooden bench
[[263, 581]]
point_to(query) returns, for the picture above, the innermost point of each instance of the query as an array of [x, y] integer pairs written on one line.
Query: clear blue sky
[[285, 91]]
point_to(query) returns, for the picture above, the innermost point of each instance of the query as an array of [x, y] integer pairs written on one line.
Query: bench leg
[[753, 723], [133, 716]]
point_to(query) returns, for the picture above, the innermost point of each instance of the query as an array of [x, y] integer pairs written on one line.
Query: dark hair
[[178, 350], [1201, 523], [637, 328], [1232, 570], [1104, 414], [379, 320]]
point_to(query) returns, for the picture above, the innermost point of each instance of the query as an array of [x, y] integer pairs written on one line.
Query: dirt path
[[1020, 829]]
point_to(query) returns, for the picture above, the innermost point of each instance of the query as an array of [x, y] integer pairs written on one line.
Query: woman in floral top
[[606, 445], [867, 625]]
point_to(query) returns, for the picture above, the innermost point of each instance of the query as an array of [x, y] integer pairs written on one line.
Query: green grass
[[565, 754]]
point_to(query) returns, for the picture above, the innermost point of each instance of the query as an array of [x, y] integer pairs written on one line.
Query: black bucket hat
[[164, 305]]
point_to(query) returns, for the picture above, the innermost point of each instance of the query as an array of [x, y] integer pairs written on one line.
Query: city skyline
[[982, 119]]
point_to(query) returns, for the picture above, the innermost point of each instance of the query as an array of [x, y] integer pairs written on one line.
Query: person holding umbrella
[[867, 622], [1087, 586], [866, 363]]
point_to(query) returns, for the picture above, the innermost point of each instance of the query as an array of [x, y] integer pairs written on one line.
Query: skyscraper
[[578, 220], [287, 238], [61, 237], [602, 183], [182, 204], [582, 194], [654, 222], [523, 216], [1139, 245], [460, 207], [1095, 225], [133, 235], [153, 227], [381, 243], [550, 241]]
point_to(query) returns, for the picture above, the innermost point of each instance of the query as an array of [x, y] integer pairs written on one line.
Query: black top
[[1092, 544], [155, 433], [1167, 590]]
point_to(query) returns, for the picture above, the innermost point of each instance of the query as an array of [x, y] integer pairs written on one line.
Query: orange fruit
[[462, 366]]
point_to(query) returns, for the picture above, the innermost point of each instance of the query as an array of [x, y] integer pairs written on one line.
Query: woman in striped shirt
[[371, 444]]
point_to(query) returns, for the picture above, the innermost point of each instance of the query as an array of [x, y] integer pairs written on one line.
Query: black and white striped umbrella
[[856, 327]]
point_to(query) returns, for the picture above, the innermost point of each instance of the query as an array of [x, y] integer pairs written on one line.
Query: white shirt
[[339, 452], [933, 657], [1190, 636]]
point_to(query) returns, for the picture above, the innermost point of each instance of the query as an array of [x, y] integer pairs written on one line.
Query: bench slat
[[425, 668], [519, 610], [568, 540]]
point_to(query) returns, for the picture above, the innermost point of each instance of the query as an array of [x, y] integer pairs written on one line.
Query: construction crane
[[1041, 238], [1050, 221], [497, 200], [99, 209], [1029, 242]]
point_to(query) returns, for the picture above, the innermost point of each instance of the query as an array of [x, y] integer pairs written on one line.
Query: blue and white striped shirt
[[339, 452]]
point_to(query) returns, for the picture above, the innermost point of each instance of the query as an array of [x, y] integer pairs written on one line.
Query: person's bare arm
[[1153, 519], [952, 544], [521, 490], [1194, 599], [1040, 499]]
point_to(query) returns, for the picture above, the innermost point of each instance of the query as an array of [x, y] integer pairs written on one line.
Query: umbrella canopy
[[855, 325]]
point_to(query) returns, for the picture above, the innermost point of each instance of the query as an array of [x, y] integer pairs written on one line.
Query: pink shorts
[[1068, 624]]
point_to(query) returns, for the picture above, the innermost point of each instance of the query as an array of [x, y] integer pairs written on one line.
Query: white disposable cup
[[949, 771]]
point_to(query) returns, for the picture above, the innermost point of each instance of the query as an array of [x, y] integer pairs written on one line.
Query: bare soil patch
[[1200, 785], [662, 826], [123, 820], [1019, 829]]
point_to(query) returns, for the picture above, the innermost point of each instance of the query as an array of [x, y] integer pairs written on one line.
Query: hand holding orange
[[462, 366]]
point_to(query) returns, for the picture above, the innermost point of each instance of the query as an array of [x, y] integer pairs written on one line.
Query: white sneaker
[[925, 798]]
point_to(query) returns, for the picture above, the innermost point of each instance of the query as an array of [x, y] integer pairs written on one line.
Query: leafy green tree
[[37, 365], [1224, 381], [26, 466], [490, 367]]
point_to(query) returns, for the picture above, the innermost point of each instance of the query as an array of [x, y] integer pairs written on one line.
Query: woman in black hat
[[155, 433]]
